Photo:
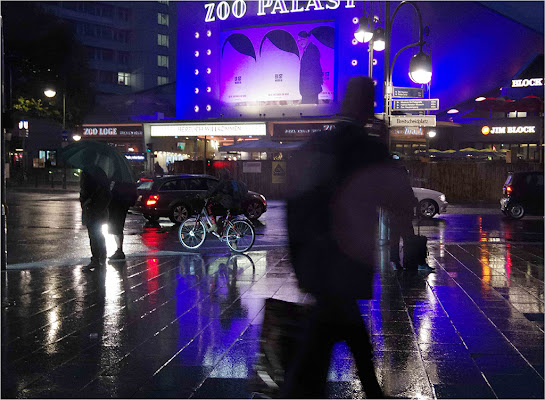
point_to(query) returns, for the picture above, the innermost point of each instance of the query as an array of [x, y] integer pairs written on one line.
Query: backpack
[[240, 191]]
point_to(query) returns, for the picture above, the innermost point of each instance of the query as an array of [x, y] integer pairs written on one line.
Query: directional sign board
[[412, 121], [415, 104], [408, 92]]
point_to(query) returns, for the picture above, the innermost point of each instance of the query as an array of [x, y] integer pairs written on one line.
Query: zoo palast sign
[[238, 8]]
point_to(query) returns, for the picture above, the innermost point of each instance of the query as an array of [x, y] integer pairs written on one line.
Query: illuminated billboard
[[278, 65]]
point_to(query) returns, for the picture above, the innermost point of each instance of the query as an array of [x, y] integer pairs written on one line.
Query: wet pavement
[[173, 324]]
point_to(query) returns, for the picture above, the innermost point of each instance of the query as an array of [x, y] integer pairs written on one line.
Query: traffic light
[[149, 147]]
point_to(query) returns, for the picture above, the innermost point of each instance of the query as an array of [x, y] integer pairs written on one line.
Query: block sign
[[408, 92], [413, 121], [415, 104]]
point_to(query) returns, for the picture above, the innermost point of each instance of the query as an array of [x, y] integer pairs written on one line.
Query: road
[[168, 323], [45, 229]]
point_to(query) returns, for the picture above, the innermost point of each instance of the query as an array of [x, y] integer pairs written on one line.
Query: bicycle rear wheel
[[240, 236], [192, 233]]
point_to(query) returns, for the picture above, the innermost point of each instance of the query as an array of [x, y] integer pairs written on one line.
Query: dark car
[[180, 196], [522, 194]]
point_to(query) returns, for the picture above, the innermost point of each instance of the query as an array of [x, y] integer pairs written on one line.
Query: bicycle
[[238, 231]]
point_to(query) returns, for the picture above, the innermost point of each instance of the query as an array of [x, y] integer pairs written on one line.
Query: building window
[[106, 77], [123, 57], [123, 78], [162, 61], [162, 40], [123, 14], [162, 19], [162, 80], [107, 54]]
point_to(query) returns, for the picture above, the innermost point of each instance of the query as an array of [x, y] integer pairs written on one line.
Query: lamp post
[[419, 66], [49, 92], [419, 71]]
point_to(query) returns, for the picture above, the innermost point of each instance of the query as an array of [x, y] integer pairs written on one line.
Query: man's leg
[[359, 342], [97, 242]]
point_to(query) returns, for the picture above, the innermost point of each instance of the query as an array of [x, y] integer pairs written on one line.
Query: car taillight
[[509, 189], [152, 200]]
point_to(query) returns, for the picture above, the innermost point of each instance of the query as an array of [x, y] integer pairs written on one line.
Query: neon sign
[[238, 8], [527, 82], [500, 130]]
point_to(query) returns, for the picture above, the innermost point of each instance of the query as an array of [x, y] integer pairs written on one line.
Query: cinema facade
[[254, 78]]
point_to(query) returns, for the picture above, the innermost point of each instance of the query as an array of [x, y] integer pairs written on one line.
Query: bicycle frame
[[227, 221]]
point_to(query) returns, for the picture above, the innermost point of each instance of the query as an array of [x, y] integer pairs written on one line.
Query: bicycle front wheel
[[192, 233], [240, 236]]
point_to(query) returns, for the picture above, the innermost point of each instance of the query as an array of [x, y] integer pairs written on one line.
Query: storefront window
[[47, 158]]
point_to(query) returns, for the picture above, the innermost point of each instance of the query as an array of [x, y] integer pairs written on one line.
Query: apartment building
[[131, 45]]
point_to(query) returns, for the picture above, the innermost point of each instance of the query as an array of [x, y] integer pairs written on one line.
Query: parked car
[[430, 202], [522, 194], [180, 196]]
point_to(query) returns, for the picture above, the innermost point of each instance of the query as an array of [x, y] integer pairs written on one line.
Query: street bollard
[[383, 227]]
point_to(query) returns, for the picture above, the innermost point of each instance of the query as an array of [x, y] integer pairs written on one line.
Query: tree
[[41, 50]]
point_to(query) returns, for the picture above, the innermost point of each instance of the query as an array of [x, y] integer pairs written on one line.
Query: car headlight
[[443, 197]]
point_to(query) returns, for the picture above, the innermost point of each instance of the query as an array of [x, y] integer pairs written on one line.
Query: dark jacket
[[223, 193], [337, 181], [94, 195]]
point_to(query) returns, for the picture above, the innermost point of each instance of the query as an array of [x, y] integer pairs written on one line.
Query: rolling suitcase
[[415, 251]]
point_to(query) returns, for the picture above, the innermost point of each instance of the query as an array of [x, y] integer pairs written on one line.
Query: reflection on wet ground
[[189, 325]]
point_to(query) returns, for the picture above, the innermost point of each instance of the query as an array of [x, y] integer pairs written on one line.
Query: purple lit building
[[278, 69]]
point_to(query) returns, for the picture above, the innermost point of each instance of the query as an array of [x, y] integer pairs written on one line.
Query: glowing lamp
[[50, 92], [420, 68], [363, 34], [485, 130], [480, 98], [453, 111], [432, 134], [379, 43]]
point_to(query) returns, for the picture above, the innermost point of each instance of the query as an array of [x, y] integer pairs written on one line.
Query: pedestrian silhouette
[[94, 197], [400, 218], [124, 196], [338, 181], [220, 197], [158, 169]]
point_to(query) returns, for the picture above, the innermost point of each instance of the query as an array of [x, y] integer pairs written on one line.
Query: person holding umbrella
[[95, 196], [104, 170]]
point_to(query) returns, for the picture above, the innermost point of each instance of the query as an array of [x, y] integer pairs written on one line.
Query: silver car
[[430, 202]]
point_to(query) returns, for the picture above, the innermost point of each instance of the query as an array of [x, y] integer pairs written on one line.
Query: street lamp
[[50, 92], [419, 72], [419, 66]]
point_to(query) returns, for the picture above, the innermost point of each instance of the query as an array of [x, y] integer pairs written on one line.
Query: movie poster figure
[[310, 75]]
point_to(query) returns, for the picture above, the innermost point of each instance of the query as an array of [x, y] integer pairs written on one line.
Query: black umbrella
[[112, 162]]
